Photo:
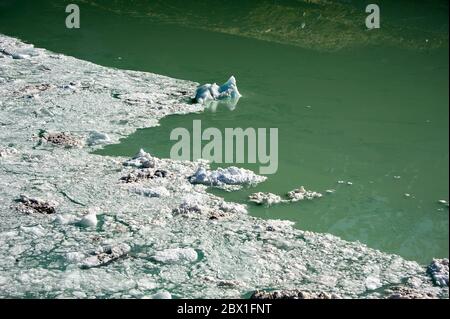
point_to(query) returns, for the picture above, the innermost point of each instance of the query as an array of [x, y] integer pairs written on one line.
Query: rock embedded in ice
[[97, 138], [262, 198], [222, 177], [176, 255], [438, 270], [301, 194], [141, 160], [62, 139], [210, 92], [30, 205]]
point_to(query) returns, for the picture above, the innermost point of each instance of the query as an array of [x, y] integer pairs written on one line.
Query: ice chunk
[[226, 176], [96, 138], [105, 256], [89, 220], [176, 255], [7, 151], [438, 270], [208, 92], [267, 199], [151, 192], [301, 194], [161, 295], [141, 160]]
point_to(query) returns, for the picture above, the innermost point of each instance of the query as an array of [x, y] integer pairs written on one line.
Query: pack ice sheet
[[187, 243]]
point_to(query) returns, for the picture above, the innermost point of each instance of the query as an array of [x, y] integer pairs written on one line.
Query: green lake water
[[365, 115]]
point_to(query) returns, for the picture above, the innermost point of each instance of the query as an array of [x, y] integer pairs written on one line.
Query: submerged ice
[[188, 243]]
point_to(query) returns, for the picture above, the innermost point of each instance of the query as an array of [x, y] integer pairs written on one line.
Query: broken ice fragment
[[105, 256], [141, 160], [226, 176], [262, 198], [438, 270], [176, 255], [151, 192], [301, 194], [7, 151], [208, 92], [89, 220], [97, 138]]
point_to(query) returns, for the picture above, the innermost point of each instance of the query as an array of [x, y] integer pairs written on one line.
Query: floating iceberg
[[214, 92]]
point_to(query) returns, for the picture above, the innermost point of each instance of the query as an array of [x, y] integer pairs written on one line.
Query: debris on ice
[[105, 255], [30, 205]]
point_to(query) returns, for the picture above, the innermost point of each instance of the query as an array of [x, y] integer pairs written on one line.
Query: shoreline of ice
[[140, 245]]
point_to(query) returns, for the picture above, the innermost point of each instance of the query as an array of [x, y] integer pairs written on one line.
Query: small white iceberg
[[222, 177], [214, 92]]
